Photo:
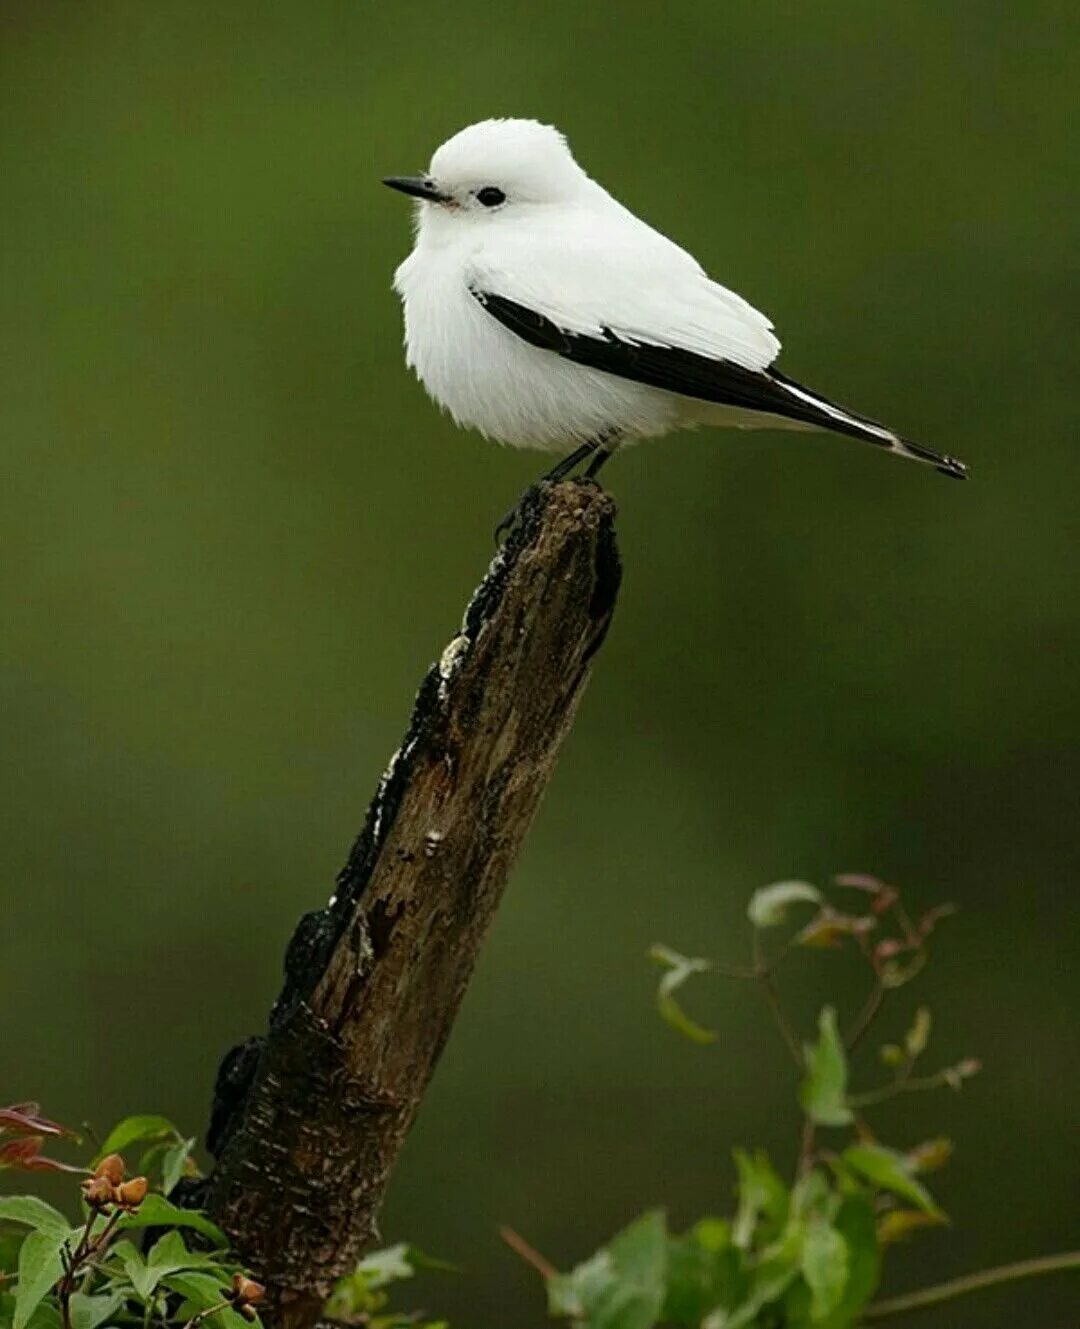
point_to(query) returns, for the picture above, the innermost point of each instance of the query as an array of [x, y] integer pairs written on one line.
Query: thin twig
[[912, 934], [205, 1314], [959, 1287], [72, 1264], [866, 1016], [903, 1085], [768, 986], [743, 971], [529, 1254]]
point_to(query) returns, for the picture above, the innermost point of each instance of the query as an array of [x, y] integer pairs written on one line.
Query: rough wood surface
[[308, 1120]]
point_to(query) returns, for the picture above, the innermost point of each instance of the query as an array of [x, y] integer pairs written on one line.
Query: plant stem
[[741, 971], [866, 1016], [205, 1314], [529, 1254], [905, 1085], [72, 1266], [768, 986], [959, 1287]]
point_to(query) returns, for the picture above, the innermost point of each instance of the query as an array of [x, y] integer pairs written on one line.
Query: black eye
[[490, 197]]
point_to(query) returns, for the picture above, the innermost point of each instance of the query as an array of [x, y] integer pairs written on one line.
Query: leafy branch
[[806, 1253], [133, 1259]]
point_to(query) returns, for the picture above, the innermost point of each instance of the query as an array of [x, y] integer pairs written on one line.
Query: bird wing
[[638, 287], [648, 312]]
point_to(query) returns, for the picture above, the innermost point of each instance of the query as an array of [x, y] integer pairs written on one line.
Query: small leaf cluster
[[805, 1253], [361, 1299], [131, 1257], [135, 1260], [800, 1256]]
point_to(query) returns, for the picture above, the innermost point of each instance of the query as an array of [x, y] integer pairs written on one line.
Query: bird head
[[496, 168]]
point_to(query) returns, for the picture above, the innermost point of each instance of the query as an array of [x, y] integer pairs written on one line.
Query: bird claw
[[510, 519]]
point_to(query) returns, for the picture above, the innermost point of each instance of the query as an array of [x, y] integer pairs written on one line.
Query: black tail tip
[[950, 466], [955, 470]]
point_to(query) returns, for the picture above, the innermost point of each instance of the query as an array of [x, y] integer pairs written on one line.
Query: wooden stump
[[308, 1120]]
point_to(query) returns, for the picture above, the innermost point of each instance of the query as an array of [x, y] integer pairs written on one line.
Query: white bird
[[543, 313]]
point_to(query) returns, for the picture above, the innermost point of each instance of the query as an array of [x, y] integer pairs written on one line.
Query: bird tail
[[813, 409]]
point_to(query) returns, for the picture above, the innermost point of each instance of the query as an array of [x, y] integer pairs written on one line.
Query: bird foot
[[510, 519]]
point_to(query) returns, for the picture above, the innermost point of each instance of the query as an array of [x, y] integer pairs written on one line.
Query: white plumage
[[543, 313]]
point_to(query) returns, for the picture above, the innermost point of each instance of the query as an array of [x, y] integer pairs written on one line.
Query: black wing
[[693, 375]]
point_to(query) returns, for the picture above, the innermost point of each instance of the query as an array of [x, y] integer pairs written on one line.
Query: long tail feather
[[842, 421]]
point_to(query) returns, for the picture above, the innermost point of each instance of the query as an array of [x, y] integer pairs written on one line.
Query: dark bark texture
[[308, 1120]]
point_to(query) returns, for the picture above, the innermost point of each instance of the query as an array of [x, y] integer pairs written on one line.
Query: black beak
[[417, 186]]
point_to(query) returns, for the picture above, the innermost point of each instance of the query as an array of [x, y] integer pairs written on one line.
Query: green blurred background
[[235, 532]]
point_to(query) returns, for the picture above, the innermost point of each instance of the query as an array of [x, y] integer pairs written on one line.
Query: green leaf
[[389, 1265], [359, 1293], [761, 1193], [918, 1036], [133, 1129], [39, 1268], [855, 1223], [712, 1234], [771, 1279], [575, 1293], [171, 1252], [351, 1299], [88, 1312], [421, 1260], [156, 1211], [622, 1285], [10, 1241], [202, 1291], [34, 1213], [890, 1171], [150, 1160], [825, 1267], [174, 1163], [640, 1256], [47, 1315], [822, 1094], [169, 1255], [769, 904], [812, 1198], [141, 1279], [705, 1272], [679, 969]]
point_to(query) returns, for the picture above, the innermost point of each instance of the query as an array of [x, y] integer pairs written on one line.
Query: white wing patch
[[653, 294]]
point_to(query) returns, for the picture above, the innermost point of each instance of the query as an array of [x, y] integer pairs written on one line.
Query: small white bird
[[542, 312]]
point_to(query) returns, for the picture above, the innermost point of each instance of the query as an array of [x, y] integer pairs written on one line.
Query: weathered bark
[[308, 1120]]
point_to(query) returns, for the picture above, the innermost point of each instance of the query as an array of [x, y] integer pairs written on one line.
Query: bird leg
[[567, 464], [557, 473], [601, 455]]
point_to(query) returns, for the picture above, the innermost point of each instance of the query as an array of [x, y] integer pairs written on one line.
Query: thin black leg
[[602, 456], [568, 463], [557, 472], [596, 452]]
